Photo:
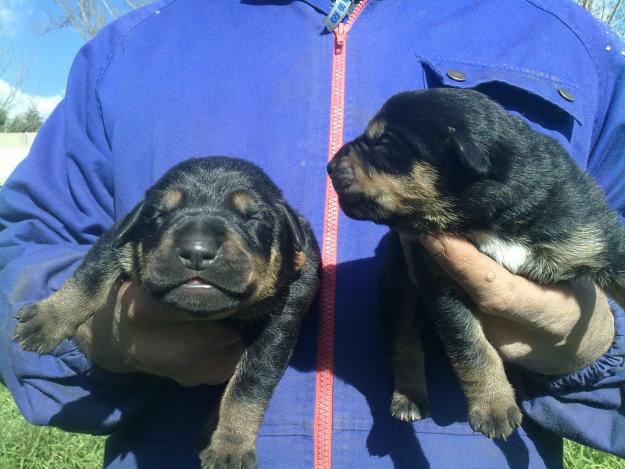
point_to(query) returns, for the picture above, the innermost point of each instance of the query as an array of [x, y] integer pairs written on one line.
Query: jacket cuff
[[606, 369]]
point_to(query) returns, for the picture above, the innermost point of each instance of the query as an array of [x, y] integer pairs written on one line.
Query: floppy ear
[[297, 235], [294, 226], [469, 155], [126, 228]]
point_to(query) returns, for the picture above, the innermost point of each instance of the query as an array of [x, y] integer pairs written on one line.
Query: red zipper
[[325, 346]]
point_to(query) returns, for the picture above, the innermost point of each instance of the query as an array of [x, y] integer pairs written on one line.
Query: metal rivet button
[[456, 75], [566, 94]]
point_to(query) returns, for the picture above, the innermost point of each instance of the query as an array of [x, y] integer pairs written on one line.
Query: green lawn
[[24, 446]]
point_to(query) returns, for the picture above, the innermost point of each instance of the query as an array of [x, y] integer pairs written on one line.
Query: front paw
[[495, 417], [40, 329], [409, 408], [228, 455]]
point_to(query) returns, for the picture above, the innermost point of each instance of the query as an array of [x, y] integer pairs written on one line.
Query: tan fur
[[71, 297], [585, 247], [488, 391], [375, 129], [266, 275], [238, 421], [126, 257], [242, 202], [172, 198], [70, 306], [166, 245], [299, 260], [415, 193]]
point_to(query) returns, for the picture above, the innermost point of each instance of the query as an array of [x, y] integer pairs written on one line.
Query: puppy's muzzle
[[341, 173]]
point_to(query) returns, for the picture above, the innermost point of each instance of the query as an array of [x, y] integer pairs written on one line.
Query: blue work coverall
[[255, 79]]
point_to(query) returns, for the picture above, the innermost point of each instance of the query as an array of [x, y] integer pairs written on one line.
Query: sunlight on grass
[[24, 446], [581, 457]]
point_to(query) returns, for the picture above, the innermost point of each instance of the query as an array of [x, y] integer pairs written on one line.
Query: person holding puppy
[[258, 80]]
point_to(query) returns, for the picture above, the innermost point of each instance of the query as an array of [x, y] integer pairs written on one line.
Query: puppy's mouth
[[199, 285], [355, 205], [206, 297], [196, 282]]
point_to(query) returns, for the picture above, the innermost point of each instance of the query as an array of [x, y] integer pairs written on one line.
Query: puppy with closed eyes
[[453, 160], [215, 238]]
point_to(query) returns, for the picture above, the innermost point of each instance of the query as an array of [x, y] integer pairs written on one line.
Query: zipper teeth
[[325, 359], [356, 12]]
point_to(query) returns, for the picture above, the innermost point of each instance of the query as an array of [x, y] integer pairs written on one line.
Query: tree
[[87, 17], [611, 12], [4, 117], [28, 121]]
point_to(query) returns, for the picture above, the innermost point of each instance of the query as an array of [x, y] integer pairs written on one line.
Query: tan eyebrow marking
[[376, 128], [172, 198]]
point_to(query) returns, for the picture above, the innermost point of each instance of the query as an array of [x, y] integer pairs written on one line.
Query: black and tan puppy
[[453, 160], [213, 237]]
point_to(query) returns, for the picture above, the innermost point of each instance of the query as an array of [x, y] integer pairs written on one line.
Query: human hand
[[137, 333], [548, 329]]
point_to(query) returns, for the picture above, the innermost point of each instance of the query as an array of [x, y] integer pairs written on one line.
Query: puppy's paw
[[409, 408], [495, 418], [39, 328], [228, 453]]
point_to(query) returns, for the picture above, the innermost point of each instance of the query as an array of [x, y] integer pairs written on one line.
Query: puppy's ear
[[469, 155], [297, 234], [125, 230], [294, 226]]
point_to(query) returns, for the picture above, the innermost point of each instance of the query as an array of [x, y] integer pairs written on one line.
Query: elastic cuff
[[605, 367]]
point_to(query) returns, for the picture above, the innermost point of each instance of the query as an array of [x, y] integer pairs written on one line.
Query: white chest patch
[[510, 254]]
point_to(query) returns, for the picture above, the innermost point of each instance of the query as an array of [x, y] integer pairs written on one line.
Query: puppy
[[213, 237], [453, 160]]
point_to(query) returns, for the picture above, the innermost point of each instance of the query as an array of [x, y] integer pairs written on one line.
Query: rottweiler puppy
[[213, 237], [453, 160]]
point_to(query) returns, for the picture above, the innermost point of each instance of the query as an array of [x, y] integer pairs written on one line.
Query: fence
[[13, 148]]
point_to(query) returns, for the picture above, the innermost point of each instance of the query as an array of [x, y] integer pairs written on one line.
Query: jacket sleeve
[[588, 405], [52, 209]]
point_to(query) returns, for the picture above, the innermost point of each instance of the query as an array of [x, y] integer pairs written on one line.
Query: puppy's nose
[[341, 173], [332, 165], [196, 254]]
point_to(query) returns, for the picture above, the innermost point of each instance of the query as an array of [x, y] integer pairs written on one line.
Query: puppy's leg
[[400, 306], [410, 400], [43, 325], [492, 406], [242, 407]]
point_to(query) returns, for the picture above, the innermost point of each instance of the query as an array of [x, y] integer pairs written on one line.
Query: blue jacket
[[186, 78]]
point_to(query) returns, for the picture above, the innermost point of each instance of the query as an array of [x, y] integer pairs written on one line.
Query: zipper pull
[[337, 14], [339, 35]]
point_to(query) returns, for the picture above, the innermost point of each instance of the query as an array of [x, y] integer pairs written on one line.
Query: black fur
[[194, 248], [489, 174]]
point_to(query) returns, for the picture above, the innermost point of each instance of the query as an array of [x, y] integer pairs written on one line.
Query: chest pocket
[[549, 105]]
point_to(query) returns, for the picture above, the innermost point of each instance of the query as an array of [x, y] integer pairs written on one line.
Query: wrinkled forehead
[[215, 187]]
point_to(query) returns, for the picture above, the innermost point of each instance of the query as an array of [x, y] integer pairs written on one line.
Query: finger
[[491, 286], [461, 260]]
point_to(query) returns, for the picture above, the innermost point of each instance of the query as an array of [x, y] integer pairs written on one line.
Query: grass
[[24, 446], [581, 457]]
